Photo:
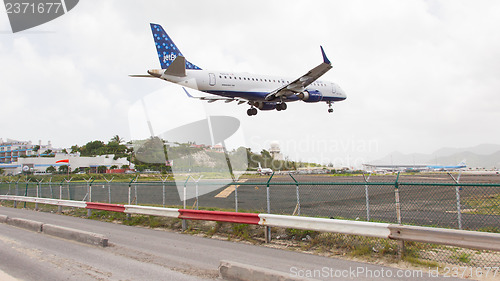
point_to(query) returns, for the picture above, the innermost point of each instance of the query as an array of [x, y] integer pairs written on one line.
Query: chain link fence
[[456, 205]]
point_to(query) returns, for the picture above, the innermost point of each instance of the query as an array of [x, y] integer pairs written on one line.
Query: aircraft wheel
[[254, 111], [283, 106], [249, 112], [330, 110]]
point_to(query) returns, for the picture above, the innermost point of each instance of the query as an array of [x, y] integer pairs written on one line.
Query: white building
[[40, 164], [275, 151]]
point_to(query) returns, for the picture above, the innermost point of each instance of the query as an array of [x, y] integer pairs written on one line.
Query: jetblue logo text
[[169, 57]]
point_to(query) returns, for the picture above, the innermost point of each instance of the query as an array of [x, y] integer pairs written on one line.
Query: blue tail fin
[[167, 51]]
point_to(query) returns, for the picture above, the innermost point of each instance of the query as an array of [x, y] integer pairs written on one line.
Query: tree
[[36, 148], [65, 151], [51, 169], [75, 149], [1, 171], [101, 169], [113, 167], [63, 169], [117, 139]]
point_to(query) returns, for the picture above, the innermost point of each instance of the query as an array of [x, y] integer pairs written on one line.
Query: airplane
[[460, 165], [264, 171], [417, 167], [261, 92]]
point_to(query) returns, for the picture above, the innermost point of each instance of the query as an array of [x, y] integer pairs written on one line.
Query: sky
[[419, 75]]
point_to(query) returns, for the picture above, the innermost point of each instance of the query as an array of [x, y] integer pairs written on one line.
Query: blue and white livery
[[261, 92]]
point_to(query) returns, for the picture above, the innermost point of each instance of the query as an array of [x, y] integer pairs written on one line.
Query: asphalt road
[[145, 254]]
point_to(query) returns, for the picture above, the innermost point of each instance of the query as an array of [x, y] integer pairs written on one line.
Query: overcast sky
[[419, 75]]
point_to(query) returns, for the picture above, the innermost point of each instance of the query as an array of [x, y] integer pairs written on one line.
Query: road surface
[[145, 254]]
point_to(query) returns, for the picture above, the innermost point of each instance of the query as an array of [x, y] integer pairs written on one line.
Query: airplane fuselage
[[247, 86]]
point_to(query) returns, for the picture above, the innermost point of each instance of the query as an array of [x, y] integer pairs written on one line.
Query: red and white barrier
[[460, 238]]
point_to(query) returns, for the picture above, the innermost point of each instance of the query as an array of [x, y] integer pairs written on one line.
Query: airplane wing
[[299, 85], [214, 99]]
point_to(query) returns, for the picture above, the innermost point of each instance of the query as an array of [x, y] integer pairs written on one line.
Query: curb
[[26, 224], [58, 231], [235, 271], [76, 235]]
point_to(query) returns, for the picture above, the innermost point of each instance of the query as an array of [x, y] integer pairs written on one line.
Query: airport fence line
[[469, 206]]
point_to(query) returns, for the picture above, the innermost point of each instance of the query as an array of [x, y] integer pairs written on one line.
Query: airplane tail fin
[[166, 48], [463, 163], [260, 166]]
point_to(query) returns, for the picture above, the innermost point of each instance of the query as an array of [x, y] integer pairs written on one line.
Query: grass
[[462, 258], [485, 205]]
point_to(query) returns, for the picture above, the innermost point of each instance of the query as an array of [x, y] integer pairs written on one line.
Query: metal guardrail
[[459, 238]]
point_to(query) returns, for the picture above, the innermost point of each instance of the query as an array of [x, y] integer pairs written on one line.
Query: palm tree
[[117, 139]]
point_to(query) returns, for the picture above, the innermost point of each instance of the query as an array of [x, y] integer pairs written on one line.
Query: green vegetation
[[485, 205], [463, 257], [98, 147]]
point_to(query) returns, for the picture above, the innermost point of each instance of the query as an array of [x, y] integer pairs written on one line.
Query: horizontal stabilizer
[[141, 75]]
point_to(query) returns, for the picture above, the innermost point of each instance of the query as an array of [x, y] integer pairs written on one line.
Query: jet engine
[[311, 96]]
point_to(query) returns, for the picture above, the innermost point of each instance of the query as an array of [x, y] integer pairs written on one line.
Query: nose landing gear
[[330, 109]]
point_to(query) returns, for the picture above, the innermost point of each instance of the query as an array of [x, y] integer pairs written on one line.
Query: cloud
[[419, 75]]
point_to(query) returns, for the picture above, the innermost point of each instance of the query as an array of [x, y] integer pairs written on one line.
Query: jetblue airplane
[[259, 91]]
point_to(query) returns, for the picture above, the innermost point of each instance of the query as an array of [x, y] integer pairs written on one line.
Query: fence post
[[367, 196], [109, 188], [184, 198], [136, 199], [297, 207], [130, 193], [50, 187], [59, 208], [17, 192], [235, 197], [197, 193], [38, 191], [163, 184], [26, 191], [457, 194], [401, 243], [89, 192], [268, 199]]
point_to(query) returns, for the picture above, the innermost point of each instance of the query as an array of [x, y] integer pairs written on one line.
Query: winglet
[[187, 93], [325, 59]]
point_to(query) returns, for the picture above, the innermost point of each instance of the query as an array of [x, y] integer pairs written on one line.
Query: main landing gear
[[252, 111], [330, 109], [281, 106]]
